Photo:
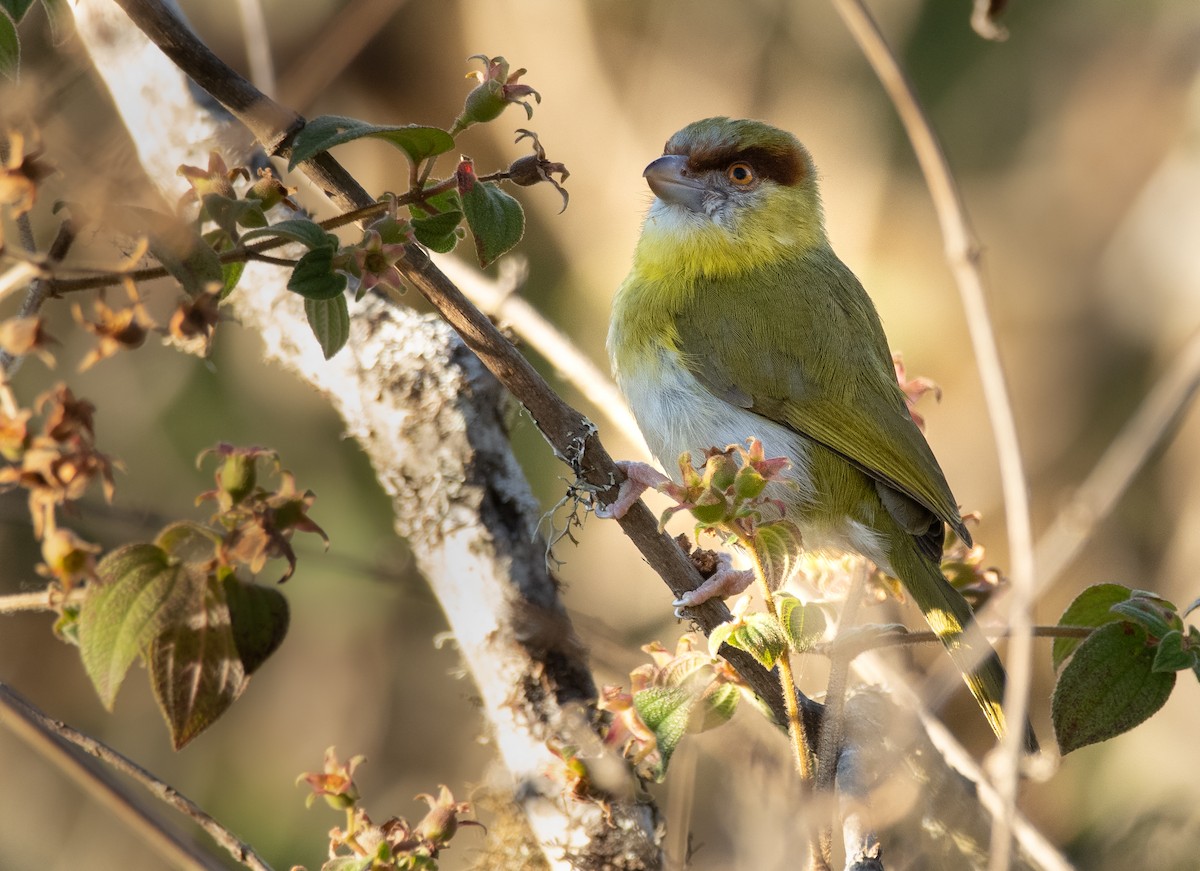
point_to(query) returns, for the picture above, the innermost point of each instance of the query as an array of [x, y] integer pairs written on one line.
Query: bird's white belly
[[676, 413]]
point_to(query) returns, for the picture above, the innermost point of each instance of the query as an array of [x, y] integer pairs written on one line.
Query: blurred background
[[1077, 144]]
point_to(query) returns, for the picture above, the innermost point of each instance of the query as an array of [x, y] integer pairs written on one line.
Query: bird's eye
[[740, 173]]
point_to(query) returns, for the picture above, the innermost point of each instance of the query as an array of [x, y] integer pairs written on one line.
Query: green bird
[[738, 320]]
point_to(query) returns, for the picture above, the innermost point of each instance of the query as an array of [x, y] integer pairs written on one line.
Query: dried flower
[[914, 389], [27, 335], [335, 781], [535, 168], [20, 175], [115, 329]]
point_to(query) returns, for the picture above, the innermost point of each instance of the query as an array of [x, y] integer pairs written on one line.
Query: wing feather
[[809, 353]]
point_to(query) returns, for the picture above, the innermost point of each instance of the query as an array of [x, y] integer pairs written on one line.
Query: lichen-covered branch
[[428, 415]]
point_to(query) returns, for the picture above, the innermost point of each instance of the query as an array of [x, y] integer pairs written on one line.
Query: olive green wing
[[801, 345]]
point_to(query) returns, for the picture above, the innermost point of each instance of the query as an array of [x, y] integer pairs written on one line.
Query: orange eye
[[740, 173]]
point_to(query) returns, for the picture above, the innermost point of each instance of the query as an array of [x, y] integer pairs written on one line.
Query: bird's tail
[[951, 619]]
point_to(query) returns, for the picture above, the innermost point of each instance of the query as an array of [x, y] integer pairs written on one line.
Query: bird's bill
[[667, 179]]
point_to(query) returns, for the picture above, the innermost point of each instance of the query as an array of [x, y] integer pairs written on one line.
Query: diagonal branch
[[54, 740], [572, 437]]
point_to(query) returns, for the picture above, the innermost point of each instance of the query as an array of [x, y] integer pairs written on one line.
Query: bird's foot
[[724, 582], [639, 477]]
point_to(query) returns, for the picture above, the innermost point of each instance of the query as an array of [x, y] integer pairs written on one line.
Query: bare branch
[[50, 738], [1152, 426], [963, 255], [431, 420]]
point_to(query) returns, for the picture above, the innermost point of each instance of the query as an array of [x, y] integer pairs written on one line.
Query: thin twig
[[345, 33], [835, 696], [858, 646], [18, 275], [257, 39], [39, 289], [39, 600], [1151, 426], [803, 743], [500, 300], [877, 669], [50, 738], [963, 255]]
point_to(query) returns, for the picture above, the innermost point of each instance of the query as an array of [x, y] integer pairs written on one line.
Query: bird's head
[[731, 196]]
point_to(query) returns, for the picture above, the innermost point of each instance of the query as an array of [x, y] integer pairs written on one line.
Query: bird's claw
[[726, 581], [639, 477]]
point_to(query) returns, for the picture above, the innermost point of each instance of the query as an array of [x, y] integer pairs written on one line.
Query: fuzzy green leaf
[[803, 624], [438, 232], [314, 278], [1152, 611], [497, 220], [138, 591], [176, 244], [195, 669], [308, 233], [1092, 607], [10, 47], [260, 618], [330, 322], [761, 636], [230, 212], [16, 8], [666, 711], [1174, 654], [183, 252], [322, 133], [1108, 687], [231, 273], [716, 707], [777, 545], [189, 542]]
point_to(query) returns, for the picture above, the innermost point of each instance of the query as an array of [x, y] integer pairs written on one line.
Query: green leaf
[[777, 545], [220, 242], [761, 636], [437, 232], [497, 221], [138, 591], [330, 322], [1150, 610], [1108, 687], [260, 619], [310, 234], [189, 542], [1092, 607], [322, 133], [10, 47], [228, 212], [1173, 654], [195, 669], [314, 278], [803, 624], [716, 708], [15, 8], [181, 250], [177, 245], [666, 711]]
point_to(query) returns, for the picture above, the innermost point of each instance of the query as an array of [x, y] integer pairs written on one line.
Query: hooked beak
[[666, 178]]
